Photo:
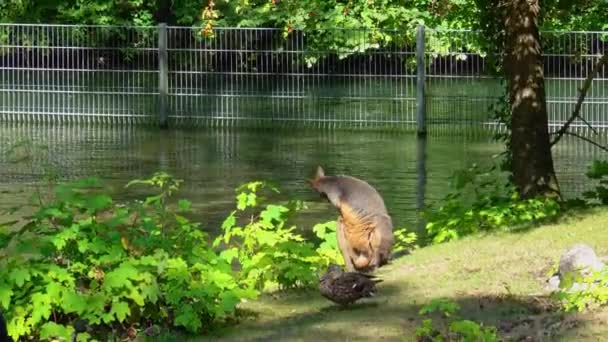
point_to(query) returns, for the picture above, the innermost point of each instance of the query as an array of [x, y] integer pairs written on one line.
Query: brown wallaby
[[365, 229]]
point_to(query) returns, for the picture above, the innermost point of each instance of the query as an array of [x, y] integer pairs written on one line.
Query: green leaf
[[73, 302], [229, 222], [151, 292], [83, 245], [52, 330], [136, 296], [5, 296], [443, 305], [187, 318], [19, 276], [139, 182], [184, 205], [98, 202], [241, 200], [247, 293], [273, 213], [229, 254], [54, 213], [120, 276], [321, 230], [121, 310], [41, 307], [228, 302], [54, 289], [60, 240]]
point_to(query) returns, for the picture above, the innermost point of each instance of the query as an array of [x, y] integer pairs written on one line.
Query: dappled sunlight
[[496, 279]]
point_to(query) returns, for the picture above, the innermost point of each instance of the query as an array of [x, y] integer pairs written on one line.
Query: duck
[[345, 288]]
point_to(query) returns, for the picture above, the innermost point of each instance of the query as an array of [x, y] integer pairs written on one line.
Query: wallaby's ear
[[314, 182], [320, 173]]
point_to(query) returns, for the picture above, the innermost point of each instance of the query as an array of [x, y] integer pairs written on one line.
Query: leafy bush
[[483, 201], [83, 256], [591, 290], [456, 330], [405, 240], [442, 305], [124, 269], [598, 171], [268, 250]]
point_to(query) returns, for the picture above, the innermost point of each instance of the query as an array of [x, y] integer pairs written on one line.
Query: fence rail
[[170, 75]]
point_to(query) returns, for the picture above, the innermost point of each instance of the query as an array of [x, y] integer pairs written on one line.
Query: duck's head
[[333, 272]]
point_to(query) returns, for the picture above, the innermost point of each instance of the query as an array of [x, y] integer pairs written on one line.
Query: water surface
[[213, 162]]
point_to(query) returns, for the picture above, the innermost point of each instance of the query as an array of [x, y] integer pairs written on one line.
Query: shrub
[[591, 290], [598, 171], [268, 250], [483, 201], [83, 256], [124, 269], [457, 330], [405, 240]]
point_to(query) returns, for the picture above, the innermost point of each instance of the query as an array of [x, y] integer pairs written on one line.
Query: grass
[[497, 279]]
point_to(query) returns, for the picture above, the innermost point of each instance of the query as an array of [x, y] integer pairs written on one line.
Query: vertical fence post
[[163, 78], [421, 172], [420, 78]]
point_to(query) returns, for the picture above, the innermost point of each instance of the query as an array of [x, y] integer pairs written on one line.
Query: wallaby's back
[[356, 193]]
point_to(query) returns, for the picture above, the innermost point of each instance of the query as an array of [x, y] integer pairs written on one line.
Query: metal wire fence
[[77, 73], [242, 76], [255, 75]]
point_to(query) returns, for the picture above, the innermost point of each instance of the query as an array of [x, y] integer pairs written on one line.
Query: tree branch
[[604, 148], [581, 97], [588, 125]]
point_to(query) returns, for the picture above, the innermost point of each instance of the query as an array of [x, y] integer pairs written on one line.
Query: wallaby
[[365, 229]]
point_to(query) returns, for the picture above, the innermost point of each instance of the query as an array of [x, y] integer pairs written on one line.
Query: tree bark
[[532, 163]]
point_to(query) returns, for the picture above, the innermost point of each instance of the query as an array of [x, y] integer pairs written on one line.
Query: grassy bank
[[497, 279]]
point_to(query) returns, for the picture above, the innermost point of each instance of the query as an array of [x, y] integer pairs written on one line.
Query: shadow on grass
[[390, 318], [517, 319], [569, 213]]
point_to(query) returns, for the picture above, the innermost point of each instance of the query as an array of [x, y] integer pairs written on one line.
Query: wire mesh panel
[[77, 73], [254, 76], [259, 75], [460, 85], [569, 57]]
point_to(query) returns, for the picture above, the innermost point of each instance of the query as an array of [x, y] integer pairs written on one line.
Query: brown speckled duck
[[346, 287]]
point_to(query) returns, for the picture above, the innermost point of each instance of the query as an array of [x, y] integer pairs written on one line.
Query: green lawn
[[497, 279]]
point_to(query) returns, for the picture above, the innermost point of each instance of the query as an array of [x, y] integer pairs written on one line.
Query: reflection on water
[[405, 170]]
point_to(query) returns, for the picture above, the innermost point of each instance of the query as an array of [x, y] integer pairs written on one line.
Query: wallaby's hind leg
[[344, 246]]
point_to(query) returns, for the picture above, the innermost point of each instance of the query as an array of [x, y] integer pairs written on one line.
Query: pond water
[[213, 162]]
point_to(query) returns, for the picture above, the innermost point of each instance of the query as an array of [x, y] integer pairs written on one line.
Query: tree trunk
[[163, 12], [532, 163]]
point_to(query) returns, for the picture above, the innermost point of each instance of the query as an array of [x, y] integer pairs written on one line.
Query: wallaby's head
[[326, 186], [317, 182]]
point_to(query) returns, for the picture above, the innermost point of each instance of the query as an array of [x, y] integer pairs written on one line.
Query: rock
[[553, 283], [579, 259]]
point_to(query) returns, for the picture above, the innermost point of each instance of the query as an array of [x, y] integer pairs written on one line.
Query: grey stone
[[553, 283], [579, 259]]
